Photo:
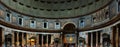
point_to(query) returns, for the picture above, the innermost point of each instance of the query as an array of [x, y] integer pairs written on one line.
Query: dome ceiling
[[55, 8]]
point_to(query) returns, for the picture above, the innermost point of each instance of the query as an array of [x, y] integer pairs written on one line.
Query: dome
[[55, 8]]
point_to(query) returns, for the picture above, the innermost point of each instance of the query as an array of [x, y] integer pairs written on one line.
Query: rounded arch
[[69, 26], [68, 23]]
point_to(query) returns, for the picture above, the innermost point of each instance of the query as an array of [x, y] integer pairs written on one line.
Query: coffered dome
[[55, 8]]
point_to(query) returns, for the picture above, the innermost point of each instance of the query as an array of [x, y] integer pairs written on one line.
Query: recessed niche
[[28, 6], [34, 8], [36, 0], [48, 9], [55, 10], [42, 1], [69, 9], [97, 0], [15, 0], [21, 3], [76, 7], [90, 3], [83, 6], [41, 9], [69, 1]]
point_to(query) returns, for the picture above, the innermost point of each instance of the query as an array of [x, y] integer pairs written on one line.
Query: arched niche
[[70, 27]]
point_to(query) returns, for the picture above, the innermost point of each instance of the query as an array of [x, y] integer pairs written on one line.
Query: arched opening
[[69, 27]]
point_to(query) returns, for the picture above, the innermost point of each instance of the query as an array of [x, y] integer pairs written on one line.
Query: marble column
[[27, 40], [52, 39], [23, 43], [17, 39], [37, 42], [91, 39], [13, 41], [3, 37]]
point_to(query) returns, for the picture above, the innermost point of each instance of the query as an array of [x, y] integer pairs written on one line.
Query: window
[[82, 23], [94, 19], [106, 14], [57, 25], [45, 24], [8, 17], [32, 23], [20, 21]]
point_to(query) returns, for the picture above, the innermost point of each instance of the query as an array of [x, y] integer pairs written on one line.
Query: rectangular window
[[57, 25], [8, 17], [81, 23], [45, 24], [20, 21], [32, 23]]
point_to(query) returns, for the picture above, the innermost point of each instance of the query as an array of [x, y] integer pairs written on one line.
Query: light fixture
[[71, 39], [32, 40]]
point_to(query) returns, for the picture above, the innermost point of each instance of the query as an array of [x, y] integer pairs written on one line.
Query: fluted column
[[13, 41]]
